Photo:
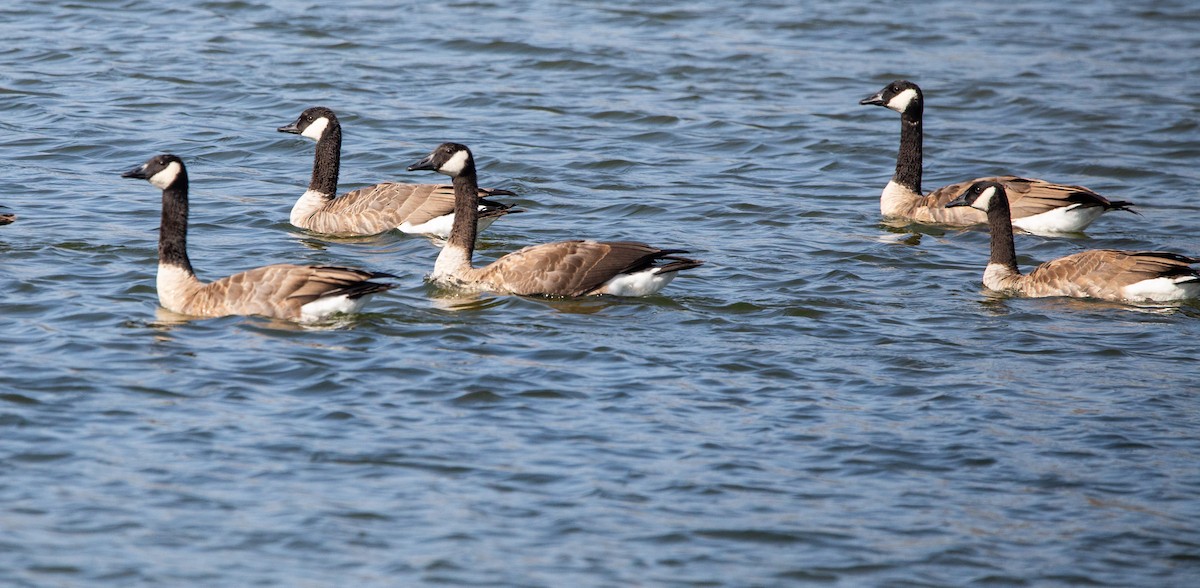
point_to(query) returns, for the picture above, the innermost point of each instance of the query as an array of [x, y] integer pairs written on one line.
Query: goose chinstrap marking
[[285, 291], [564, 268], [1038, 206], [419, 209]]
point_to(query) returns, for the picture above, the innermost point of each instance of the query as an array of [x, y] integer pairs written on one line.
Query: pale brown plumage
[[373, 209], [564, 268], [1037, 205], [285, 291], [278, 291], [1028, 197], [7, 218], [572, 268], [1109, 274], [383, 207], [1098, 273]]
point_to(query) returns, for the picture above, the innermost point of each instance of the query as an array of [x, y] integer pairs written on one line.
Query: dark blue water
[[831, 399]]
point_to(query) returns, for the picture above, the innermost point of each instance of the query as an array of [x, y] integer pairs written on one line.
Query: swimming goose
[[1133, 276], [292, 292], [6, 218], [565, 268], [421, 209], [1038, 206]]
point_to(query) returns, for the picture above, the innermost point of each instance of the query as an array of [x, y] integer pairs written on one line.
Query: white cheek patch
[[985, 199], [900, 102], [455, 165], [316, 129], [166, 177]]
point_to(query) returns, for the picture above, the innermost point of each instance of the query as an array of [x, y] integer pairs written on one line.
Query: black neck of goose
[[1000, 225], [908, 161], [327, 161], [172, 233], [466, 210]]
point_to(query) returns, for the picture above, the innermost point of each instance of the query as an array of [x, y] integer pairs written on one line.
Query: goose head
[[902, 96], [161, 171], [449, 158], [312, 123], [982, 195]]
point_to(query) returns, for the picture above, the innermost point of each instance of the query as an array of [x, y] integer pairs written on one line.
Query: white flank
[[1162, 289], [643, 283], [173, 284], [316, 129], [1065, 219], [455, 164], [895, 198], [166, 177], [900, 102], [308, 204], [439, 226], [329, 305]]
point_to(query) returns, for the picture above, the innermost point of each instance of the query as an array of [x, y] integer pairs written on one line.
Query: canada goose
[[1134, 276], [421, 209], [1038, 206], [292, 292], [6, 218], [565, 268]]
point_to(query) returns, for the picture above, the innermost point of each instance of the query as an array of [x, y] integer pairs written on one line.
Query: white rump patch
[[167, 176], [1162, 289], [316, 129], [455, 164], [330, 305], [643, 283], [900, 102], [1064, 219]]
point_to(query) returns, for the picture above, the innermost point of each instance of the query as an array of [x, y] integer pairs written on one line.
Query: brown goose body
[[1038, 206], [1108, 274], [424, 209], [564, 268], [284, 291], [6, 218]]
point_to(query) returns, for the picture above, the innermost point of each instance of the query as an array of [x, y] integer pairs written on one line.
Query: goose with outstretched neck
[[564, 268], [1108, 274], [1038, 206], [292, 292], [419, 209]]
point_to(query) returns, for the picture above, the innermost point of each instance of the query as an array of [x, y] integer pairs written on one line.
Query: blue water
[[832, 399]]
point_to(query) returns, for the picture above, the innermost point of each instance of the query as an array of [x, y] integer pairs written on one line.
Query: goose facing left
[[1038, 206], [419, 209], [284, 291], [1107, 274], [564, 268]]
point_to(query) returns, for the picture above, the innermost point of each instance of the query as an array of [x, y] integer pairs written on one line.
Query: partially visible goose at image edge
[[284, 291], [1038, 206], [564, 268], [1108, 274], [420, 209], [7, 217]]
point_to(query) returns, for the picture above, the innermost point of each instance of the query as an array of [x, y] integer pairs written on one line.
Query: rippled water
[[830, 400]]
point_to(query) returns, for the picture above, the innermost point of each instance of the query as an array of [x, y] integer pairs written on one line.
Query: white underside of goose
[[172, 283], [440, 226], [643, 283], [329, 305], [1066, 219], [1163, 289]]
